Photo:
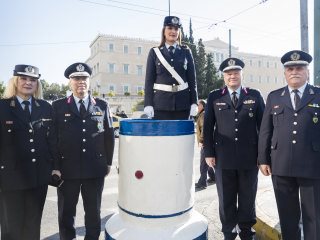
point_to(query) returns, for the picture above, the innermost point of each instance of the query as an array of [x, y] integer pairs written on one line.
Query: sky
[[52, 34]]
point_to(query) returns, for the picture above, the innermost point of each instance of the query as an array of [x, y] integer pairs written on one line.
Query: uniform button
[[219, 109], [9, 130], [33, 160], [294, 141], [236, 139], [236, 119], [83, 130], [171, 60], [294, 132], [83, 120], [30, 130], [295, 123], [83, 140], [236, 129], [65, 120], [32, 150], [83, 150], [31, 140], [275, 113], [2, 167], [296, 114], [235, 111]]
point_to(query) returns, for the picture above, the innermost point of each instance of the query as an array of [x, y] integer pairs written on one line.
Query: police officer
[[232, 120], [170, 84], [85, 143], [204, 168], [27, 150], [289, 148]]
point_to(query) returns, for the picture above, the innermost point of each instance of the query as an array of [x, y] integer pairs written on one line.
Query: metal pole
[[229, 42], [304, 25], [169, 7], [316, 54]]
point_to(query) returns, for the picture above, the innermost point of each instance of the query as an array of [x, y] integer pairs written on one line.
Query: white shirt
[[22, 104], [300, 93], [174, 45], [85, 101], [237, 91]]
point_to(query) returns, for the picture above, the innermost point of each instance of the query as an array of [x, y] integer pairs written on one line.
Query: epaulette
[[185, 46]]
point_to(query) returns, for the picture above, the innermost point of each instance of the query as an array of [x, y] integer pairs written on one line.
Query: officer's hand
[[108, 170], [149, 111], [265, 169], [211, 161], [56, 172], [193, 110]]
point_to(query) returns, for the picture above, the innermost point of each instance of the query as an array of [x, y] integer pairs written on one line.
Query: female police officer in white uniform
[[170, 84], [27, 148]]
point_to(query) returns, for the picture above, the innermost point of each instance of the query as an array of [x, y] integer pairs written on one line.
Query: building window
[[97, 67], [111, 47], [140, 88], [268, 79], [112, 88], [222, 56], [250, 62], [259, 63], [267, 64], [275, 80], [111, 67], [125, 49], [126, 68], [139, 50], [275, 65], [139, 70], [125, 88], [251, 78], [94, 70], [260, 80]]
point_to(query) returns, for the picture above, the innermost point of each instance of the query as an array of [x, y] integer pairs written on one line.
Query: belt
[[170, 88]]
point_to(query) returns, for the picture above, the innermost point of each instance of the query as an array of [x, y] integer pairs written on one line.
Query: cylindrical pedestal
[[156, 183]]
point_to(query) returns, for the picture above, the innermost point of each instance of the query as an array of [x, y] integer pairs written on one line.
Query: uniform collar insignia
[[245, 90], [36, 103], [93, 101], [311, 91], [223, 91], [69, 100], [282, 94], [161, 48], [12, 103]]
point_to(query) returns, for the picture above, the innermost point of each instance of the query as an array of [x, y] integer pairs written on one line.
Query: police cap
[[172, 21], [231, 64], [26, 70], [296, 57], [78, 70]]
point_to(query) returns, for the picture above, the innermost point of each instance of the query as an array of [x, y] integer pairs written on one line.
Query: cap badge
[[295, 56], [29, 69], [175, 20], [231, 62], [80, 68]]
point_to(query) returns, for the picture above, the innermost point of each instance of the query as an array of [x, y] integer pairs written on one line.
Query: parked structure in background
[[119, 65]]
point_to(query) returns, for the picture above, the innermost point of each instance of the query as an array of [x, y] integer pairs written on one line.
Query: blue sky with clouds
[[52, 34]]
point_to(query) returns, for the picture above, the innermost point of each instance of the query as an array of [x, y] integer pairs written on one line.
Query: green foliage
[[2, 88], [95, 94], [53, 91], [138, 106], [127, 94], [212, 79], [111, 94], [141, 93]]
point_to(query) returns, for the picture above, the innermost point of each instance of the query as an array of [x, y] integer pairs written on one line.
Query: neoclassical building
[[119, 65]]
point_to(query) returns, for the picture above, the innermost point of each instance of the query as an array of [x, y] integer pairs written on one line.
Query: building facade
[[119, 66]]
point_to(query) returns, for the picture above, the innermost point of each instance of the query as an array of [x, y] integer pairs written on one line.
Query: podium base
[[195, 228]]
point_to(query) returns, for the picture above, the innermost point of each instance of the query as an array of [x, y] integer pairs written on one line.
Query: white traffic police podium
[[156, 183]]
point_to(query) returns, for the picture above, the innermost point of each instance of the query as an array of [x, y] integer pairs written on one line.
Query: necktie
[[234, 99], [82, 108], [26, 110], [171, 50], [296, 98]]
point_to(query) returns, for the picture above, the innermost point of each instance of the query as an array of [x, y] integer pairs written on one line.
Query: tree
[[200, 63], [2, 88], [212, 79]]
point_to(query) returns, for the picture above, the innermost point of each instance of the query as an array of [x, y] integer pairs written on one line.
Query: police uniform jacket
[[183, 64], [85, 144], [289, 139], [27, 149], [231, 134]]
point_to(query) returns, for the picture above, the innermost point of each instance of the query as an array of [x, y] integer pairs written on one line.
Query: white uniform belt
[[170, 88]]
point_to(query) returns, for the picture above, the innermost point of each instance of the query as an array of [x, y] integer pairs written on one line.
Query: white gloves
[[193, 110], [148, 110]]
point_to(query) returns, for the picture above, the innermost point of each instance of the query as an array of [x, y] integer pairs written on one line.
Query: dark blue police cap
[[296, 57], [231, 64], [78, 70], [26, 70], [172, 21]]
